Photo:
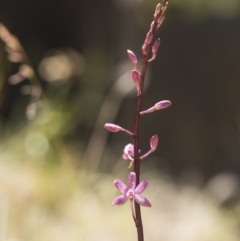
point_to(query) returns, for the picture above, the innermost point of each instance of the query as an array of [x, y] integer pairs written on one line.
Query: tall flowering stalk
[[131, 152]]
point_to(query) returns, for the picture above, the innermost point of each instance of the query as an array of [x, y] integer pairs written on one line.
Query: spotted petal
[[132, 180], [142, 200], [120, 200], [141, 187], [120, 186]]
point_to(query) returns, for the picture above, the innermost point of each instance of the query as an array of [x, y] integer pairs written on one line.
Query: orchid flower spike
[[158, 106], [130, 191], [115, 128]]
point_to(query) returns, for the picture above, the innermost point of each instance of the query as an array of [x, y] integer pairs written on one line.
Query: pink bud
[[113, 128], [152, 25], [162, 104], [136, 79], [156, 45], [149, 37], [157, 10], [154, 142], [136, 76], [132, 56], [160, 20], [158, 106]]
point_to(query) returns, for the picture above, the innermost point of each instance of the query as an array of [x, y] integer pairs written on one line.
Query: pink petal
[[125, 156], [132, 180], [142, 200], [120, 186], [141, 187], [120, 200]]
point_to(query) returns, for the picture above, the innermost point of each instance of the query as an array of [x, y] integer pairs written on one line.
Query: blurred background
[[64, 72]]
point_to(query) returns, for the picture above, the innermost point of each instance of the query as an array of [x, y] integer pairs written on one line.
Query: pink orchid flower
[[130, 191], [128, 152]]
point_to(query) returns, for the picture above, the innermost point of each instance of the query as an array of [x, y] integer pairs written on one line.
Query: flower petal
[[120, 186], [125, 156], [141, 187], [132, 180], [142, 200], [120, 200]]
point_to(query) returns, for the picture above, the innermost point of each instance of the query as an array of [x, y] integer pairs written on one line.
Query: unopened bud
[[158, 106], [113, 128], [157, 10], [136, 76], [162, 104], [136, 79], [160, 21], [151, 26], [156, 45], [164, 7], [153, 145], [132, 56], [154, 142], [149, 37]]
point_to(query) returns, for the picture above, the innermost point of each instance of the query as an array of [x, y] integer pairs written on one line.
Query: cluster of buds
[[158, 19], [133, 189]]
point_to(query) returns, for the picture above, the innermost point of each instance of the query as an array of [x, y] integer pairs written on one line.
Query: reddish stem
[[138, 219]]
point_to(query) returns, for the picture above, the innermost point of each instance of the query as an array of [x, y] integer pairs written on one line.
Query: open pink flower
[[128, 152], [130, 191]]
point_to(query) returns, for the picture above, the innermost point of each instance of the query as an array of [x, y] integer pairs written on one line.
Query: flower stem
[[145, 52], [138, 220]]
